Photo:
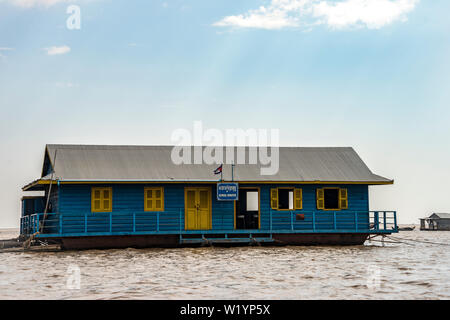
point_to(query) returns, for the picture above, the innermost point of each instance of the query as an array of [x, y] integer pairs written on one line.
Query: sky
[[371, 74]]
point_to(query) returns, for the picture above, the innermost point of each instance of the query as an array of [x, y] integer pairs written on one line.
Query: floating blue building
[[136, 196]]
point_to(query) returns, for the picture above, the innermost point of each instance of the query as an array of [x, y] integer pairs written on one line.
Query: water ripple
[[396, 271]]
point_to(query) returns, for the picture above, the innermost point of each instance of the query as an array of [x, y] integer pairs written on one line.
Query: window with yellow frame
[[332, 198], [286, 198], [101, 200], [154, 199]]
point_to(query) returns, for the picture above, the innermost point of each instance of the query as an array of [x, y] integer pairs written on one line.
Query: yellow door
[[198, 208], [191, 209]]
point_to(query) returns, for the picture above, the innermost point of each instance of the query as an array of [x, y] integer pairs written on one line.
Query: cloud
[[339, 14], [57, 50], [279, 14], [373, 14]]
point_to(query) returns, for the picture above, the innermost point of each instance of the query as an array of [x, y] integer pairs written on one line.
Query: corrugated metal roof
[[441, 215], [153, 163]]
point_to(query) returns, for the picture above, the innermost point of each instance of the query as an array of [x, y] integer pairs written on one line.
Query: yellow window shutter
[[96, 205], [298, 201], [96, 199], [320, 195], [105, 198], [343, 199], [101, 200], [274, 198], [154, 199], [148, 205]]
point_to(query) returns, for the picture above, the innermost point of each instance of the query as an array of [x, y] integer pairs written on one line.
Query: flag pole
[[232, 172]]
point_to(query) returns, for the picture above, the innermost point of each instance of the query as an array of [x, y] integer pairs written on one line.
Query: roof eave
[[96, 181], [30, 186]]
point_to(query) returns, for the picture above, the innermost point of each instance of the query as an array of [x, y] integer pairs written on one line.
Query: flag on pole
[[218, 170]]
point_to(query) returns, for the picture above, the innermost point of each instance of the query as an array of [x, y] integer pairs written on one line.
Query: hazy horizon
[[376, 78]]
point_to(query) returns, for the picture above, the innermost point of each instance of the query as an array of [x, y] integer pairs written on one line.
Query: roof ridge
[[170, 146]]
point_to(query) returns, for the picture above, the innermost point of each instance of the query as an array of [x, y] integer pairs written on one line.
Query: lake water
[[395, 271]]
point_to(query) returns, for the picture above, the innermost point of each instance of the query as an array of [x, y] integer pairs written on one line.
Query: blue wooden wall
[[74, 202]]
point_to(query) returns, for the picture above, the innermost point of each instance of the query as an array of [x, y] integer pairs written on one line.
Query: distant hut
[[437, 221]]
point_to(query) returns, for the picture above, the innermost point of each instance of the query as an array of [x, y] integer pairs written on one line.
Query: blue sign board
[[227, 191]]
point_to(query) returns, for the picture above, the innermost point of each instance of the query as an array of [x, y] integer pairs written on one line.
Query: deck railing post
[[384, 220], [395, 219], [110, 222], [356, 220], [376, 221], [314, 220], [157, 221], [134, 222], [179, 221], [334, 220], [37, 223], [85, 223], [60, 223], [270, 219], [292, 220]]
